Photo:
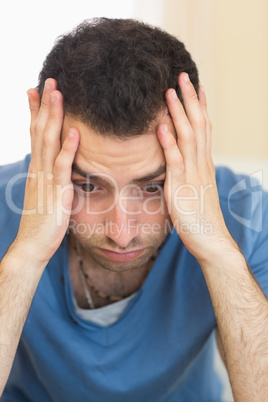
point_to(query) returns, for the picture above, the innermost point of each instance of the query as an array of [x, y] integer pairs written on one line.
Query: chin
[[121, 266]]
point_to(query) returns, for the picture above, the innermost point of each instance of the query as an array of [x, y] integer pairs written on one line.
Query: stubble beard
[[93, 245]]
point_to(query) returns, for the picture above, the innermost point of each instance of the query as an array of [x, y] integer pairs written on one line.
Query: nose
[[121, 227]]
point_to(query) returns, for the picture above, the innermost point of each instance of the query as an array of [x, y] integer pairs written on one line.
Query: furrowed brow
[[148, 177], [90, 176], [151, 176]]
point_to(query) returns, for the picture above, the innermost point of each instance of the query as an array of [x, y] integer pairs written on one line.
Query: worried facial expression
[[119, 213]]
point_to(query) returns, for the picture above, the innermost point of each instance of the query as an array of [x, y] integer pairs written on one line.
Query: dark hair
[[113, 73]]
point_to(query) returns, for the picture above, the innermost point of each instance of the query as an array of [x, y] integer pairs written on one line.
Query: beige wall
[[228, 40]]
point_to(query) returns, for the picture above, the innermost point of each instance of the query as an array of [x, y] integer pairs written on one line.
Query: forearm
[[19, 277], [240, 307], [241, 311]]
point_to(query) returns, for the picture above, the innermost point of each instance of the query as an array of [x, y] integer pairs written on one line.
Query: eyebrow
[[148, 177]]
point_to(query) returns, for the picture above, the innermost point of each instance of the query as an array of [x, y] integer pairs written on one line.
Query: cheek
[[83, 212], [92, 207], [152, 211], [155, 207], [155, 226]]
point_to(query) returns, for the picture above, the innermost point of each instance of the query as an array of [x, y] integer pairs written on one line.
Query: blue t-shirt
[[159, 349]]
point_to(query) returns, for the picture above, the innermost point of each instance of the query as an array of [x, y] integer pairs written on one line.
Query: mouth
[[131, 255]]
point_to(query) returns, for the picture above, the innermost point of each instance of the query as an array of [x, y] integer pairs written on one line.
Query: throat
[[104, 289], [98, 302]]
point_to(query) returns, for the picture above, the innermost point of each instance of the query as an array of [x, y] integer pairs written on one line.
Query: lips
[[131, 255]]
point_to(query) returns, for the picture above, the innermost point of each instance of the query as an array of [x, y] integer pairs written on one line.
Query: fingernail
[[186, 77], [202, 88], [29, 96], [52, 98], [48, 86], [165, 128], [71, 133], [174, 94]]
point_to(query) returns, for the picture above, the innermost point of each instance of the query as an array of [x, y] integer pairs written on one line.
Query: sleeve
[[12, 186], [245, 208], [258, 259]]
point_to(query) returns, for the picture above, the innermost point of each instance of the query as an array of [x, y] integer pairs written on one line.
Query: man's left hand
[[190, 187]]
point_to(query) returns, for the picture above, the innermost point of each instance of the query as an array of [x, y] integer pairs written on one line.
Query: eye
[[87, 188], [153, 188]]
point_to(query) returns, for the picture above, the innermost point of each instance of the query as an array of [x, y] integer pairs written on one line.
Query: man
[[128, 254]]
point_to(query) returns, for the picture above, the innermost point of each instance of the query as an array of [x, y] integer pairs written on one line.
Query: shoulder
[[244, 204], [12, 184], [233, 186], [13, 171], [241, 194]]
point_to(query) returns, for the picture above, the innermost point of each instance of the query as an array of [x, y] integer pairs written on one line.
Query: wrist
[[227, 261], [22, 255], [221, 254]]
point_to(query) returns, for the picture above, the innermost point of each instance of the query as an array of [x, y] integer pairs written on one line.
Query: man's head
[[113, 74], [119, 206]]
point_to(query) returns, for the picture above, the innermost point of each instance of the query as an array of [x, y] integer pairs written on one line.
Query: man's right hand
[[49, 190]]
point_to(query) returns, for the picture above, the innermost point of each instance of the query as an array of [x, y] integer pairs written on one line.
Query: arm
[[19, 278], [241, 311], [240, 306], [46, 212]]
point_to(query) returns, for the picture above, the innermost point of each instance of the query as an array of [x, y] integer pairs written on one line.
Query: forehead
[[123, 159]]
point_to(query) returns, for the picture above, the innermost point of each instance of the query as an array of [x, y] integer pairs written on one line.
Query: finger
[[51, 137], [173, 156], [195, 115], [50, 86], [41, 121], [191, 102], [64, 161], [33, 99], [186, 140], [203, 104]]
